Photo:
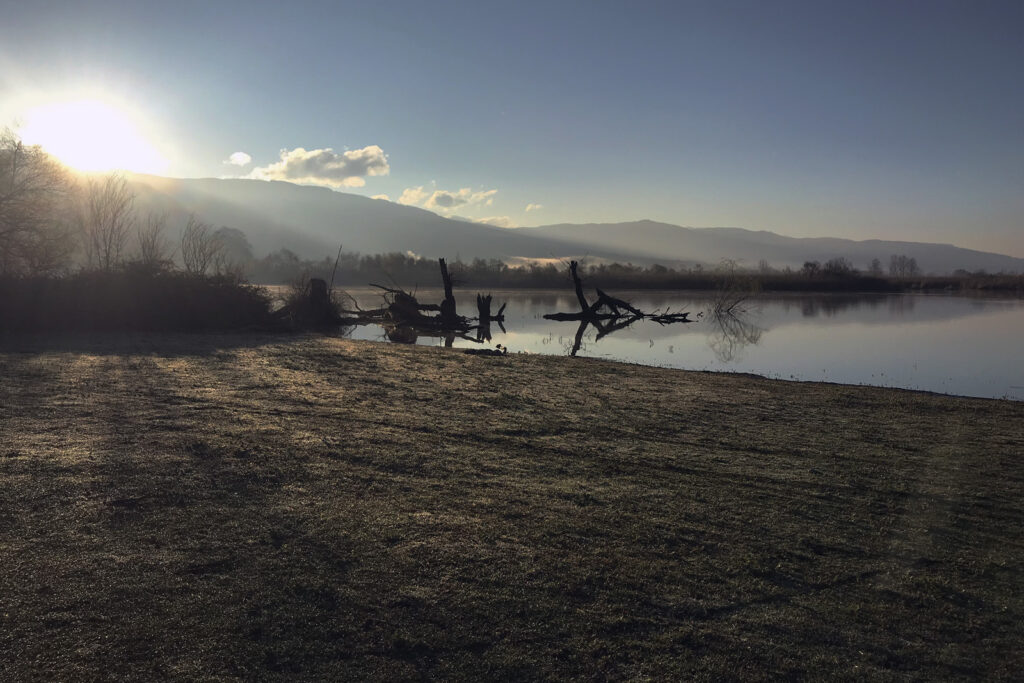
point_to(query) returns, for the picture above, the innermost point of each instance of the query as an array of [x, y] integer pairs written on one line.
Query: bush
[[132, 298]]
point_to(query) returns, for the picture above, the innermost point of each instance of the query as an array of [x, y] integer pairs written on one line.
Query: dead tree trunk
[[448, 312], [584, 306]]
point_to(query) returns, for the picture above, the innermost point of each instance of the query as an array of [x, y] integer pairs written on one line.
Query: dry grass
[[222, 508]]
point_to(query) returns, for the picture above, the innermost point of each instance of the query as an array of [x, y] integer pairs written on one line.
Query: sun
[[91, 135]]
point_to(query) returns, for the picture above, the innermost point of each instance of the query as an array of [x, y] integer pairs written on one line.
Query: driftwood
[[607, 314]]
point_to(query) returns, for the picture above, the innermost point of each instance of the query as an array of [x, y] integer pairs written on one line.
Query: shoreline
[[105, 342]]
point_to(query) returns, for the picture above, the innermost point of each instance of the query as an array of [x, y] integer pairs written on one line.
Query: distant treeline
[[409, 270]]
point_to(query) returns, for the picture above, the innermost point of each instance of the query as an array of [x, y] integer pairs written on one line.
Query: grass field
[[216, 507]]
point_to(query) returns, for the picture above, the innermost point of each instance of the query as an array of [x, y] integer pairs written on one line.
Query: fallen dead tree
[[608, 314], [404, 318]]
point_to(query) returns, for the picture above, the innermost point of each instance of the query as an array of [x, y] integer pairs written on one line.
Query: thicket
[[131, 298]]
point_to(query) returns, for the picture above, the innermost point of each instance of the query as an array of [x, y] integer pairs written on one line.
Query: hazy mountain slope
[[710, 245], [313, 221]]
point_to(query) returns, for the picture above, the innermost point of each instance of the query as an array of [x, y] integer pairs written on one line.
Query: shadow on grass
[[167, 344]]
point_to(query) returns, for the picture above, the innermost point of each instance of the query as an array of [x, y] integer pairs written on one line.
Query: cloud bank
[[326, 167]]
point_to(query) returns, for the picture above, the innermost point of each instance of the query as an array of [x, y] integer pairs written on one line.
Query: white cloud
[[497, 221], [534, 207], [381, 196], [239, 159], [412, 195], [326, 167], [444, 201]]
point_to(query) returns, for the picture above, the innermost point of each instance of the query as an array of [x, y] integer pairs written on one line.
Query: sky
[[860, 119]]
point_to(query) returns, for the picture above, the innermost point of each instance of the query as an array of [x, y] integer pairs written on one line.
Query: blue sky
[[896, 120]]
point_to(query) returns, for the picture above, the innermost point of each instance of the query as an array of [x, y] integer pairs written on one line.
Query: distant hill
[[711, 245], [313, 221]]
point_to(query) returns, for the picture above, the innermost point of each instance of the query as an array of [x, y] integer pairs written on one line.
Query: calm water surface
[[955, 345]]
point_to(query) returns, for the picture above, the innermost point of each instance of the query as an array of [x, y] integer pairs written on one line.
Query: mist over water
[[955, 345]]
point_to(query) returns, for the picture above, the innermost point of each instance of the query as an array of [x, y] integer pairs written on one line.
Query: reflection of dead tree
[[483, 307], [608, 314], [733, 332]]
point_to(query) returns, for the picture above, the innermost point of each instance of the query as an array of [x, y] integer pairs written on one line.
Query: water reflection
[[940, 343], [601, 329], [730, 334]]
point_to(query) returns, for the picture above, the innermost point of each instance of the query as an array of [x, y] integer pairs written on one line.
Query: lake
[[948, 344]]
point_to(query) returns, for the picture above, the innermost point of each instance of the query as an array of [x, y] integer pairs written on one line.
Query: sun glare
[[90, 135]]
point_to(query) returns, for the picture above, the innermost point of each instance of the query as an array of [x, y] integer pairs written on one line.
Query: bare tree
[[200, 248], [35, 193], [107, 220], [912, 269], [901, 265], [153, 248]]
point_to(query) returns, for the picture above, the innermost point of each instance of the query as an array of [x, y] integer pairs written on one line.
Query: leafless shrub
[[734, 288], [298, 288]]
